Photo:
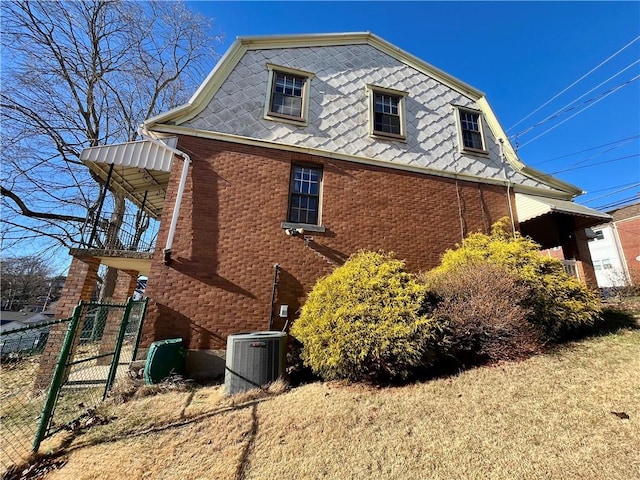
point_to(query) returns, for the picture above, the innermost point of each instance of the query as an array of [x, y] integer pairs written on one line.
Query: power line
[[618, 203], [574, 83], [595, 164], [610, 188], [587, 150], [634, 185], [582, 110], [597, 155], [564, 108]]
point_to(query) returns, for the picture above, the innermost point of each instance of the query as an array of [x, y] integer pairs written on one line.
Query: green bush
[[479, 307], [363, 321], [558, 302]]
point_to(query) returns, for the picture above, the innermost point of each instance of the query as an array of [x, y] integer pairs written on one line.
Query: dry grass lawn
[[548, 417]]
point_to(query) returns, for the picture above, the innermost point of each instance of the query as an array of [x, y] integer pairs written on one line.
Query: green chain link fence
[[54, 373], [21, 404]]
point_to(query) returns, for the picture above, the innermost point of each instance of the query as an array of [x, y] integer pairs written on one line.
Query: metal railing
[[133, 234]]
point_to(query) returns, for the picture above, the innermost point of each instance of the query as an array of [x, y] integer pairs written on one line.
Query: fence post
[[140, 325], [58, 377], [116, 354]]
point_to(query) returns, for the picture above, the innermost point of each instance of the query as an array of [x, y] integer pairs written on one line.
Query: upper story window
[[304, 195], [288, 95], [471, 130], [386, 112], [597, 235]]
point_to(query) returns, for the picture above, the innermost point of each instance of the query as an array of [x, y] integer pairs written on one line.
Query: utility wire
[[597, 154], [595, 164], [634, 185], [602, 97], [574, 83], [619, 203], [611, 188], [565, 109], [587, 150]]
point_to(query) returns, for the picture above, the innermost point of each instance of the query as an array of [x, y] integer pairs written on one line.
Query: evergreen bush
[[363, 321]]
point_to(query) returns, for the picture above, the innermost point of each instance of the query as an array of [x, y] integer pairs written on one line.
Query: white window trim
[[457, 109], [268, 115], [371, 90]]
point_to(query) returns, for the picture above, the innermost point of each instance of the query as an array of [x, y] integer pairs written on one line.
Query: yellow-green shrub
[[363, 321], [559, 303]]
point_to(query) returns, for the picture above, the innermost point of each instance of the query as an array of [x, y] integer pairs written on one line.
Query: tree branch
[[27, 212]]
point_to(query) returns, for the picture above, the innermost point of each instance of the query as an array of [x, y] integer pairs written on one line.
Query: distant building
[[615, 248]]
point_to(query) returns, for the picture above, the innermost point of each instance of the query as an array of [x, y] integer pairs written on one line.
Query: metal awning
[[533, 206], [140, 169]]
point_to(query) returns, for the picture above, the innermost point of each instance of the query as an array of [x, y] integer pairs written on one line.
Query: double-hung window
[[386, 112], [304, 196], [471, 130], [288, 95]]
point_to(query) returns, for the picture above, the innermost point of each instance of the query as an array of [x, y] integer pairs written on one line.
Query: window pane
[[286, 98], [386, 114], [472, 139], [305, 189], [387, 123], [471, 134]]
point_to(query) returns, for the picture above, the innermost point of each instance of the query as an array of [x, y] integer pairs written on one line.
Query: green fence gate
[[99, 342]]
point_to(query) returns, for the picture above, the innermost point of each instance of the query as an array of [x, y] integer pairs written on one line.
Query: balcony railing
[[133, 234]]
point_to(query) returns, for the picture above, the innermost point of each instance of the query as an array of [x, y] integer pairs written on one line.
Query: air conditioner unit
[[254, 360]]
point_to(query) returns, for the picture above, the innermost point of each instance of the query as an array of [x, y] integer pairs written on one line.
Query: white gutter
[[143, 132]]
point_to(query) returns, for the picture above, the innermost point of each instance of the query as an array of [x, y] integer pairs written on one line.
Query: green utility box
[[165, 358]]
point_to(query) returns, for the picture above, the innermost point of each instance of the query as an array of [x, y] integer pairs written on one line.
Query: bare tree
[[24, 281], [80, 74]]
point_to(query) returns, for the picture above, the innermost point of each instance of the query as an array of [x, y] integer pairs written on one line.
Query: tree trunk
[[112, 241]]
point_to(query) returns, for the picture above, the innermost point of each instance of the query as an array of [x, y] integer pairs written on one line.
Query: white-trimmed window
[[287, 95], [597, 235], [304, 195], [470, 130], [386, 112]]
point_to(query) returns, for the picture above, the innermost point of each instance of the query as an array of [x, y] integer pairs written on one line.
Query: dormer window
[[288, 95], [471, 130], [386, 112]]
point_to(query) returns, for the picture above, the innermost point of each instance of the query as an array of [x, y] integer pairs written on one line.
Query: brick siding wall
[[229, 235], [629, 235]]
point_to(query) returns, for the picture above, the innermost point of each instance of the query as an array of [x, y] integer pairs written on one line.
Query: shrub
[[363, 321], [558, 303], [480, 309]]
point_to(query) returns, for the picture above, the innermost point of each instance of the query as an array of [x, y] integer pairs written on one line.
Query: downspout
[[143, 132], [506, 178]]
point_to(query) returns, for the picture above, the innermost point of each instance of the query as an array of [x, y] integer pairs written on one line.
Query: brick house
[[615, 248], [298, 151]]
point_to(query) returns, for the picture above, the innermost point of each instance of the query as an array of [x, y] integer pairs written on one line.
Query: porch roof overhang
[[141, 171], [530, 207]]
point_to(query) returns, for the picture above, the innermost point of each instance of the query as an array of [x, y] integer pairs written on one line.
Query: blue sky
[[520, 54]]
